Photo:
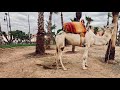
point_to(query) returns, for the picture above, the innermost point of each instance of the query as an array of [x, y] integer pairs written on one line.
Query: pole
[[5, 19], [10, 27], [29, 28], [0, 28], [9, 21]]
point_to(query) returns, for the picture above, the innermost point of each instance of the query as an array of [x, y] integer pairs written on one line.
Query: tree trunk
[[49, 31], [40, 35], [62, 20], [78, 17], [118, 43], [110, 53], [1, 39], [88, 23], [108, 19]]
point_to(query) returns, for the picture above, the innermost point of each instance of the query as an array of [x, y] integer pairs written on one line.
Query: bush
[[16, 45]]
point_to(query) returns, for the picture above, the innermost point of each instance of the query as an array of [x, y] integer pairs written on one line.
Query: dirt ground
[[20, 62]]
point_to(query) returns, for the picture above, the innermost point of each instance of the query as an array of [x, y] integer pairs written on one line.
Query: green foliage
[[96, 30], [4, 33], [59, 30], [52, 27], [15, 45], [89, 19], [109, 14], [72, 20], [18, 34]]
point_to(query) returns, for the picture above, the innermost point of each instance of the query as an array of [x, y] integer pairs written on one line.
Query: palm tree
[[110, 53], [109, 15], [62, 19], [96, 30], [0, 30], [1, 39], [49, 28], [53, 27], [40, 34], [77, 18], [118, 39], [89, 20]]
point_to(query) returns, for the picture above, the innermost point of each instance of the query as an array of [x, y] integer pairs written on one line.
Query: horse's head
[[109, 31], [90, 28]]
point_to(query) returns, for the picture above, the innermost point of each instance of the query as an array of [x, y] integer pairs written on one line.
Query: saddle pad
[[74, 27]]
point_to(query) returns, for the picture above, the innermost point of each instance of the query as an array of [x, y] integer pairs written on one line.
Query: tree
[[40, 34], [77, 18], [109, 15], [89, 20], [52, 27], [5, 35], [52, 34], [19, 35], [110, 53], [96, 30], [49, 28], [1, 38], [62, 19], [59, 30], [8, 25], [118, 39], [72, 20]]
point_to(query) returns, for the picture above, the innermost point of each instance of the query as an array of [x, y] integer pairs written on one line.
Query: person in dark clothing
[[78, 16]]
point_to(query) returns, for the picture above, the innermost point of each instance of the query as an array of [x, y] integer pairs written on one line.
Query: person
[[78, 16]]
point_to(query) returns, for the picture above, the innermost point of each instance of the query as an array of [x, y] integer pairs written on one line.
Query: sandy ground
[[21, 63]]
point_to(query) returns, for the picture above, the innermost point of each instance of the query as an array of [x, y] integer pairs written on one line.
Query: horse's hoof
[[86, 65], [65, 69], [84, 68]]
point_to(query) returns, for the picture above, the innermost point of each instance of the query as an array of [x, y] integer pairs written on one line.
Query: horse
[[89, 40]]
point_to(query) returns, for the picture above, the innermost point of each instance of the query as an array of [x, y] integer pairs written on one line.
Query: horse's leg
[[57, 58], [73, 48], [85, 57], [60, 56]]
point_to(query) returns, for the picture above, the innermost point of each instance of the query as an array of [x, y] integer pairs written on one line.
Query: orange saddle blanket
[[74, 27]]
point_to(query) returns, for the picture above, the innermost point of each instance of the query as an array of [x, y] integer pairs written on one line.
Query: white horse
[[76, 40]]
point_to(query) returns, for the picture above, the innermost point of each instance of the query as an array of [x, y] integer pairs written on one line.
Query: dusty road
[[21, 63]]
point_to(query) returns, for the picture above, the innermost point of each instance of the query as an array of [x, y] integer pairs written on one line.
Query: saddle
[[75, 28]]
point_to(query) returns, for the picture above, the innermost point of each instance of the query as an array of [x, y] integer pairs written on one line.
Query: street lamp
[[7, 15], [9, 22], [29, 28], [5, 19]]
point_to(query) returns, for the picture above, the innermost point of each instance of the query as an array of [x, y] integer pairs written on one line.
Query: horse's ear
[[112, 26]]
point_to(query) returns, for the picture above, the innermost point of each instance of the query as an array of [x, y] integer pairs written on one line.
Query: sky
[[19, 20]]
